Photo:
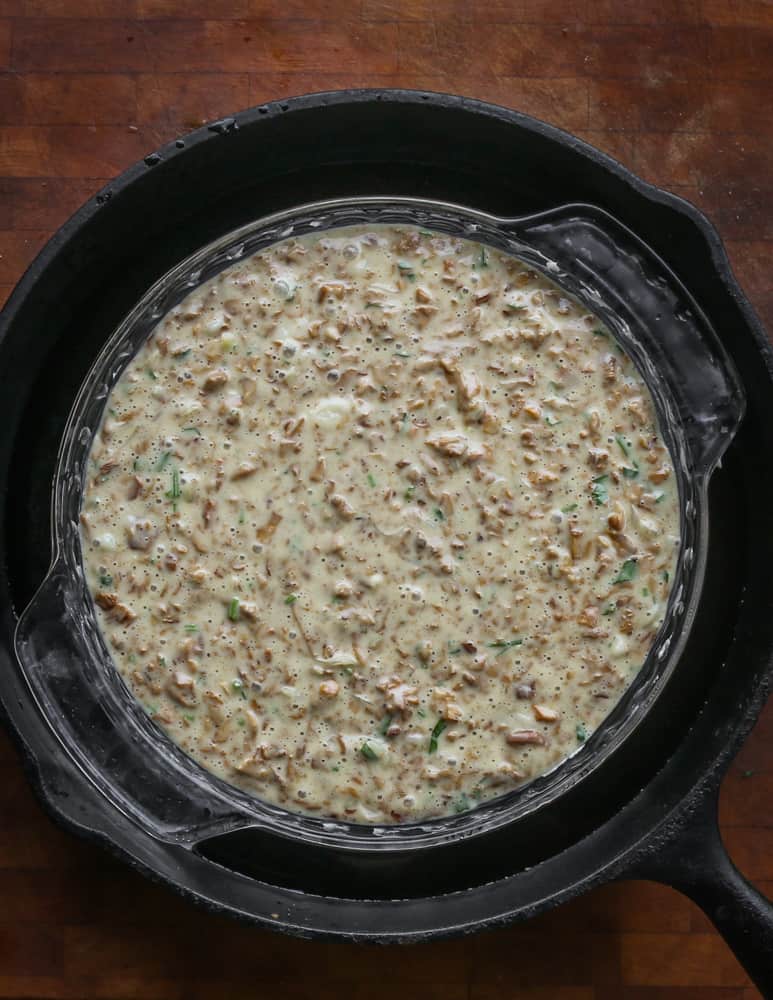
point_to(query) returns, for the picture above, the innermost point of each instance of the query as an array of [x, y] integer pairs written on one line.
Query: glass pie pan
[[131, 762]]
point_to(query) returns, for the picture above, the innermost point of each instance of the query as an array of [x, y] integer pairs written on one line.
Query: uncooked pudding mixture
[[379, 524]]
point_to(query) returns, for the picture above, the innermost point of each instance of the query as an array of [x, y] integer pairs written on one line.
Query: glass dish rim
[[520, 800]]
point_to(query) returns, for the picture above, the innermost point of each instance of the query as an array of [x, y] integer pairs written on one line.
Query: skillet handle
[[696, 863]]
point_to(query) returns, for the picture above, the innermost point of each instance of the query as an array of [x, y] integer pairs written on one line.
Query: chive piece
[[191, 628], [151, 373], [137, 464], [645, 592], [623, 446], [552, 422], [425, 232], [569, 508], [371, 480], [174, 493], [665, 576], [368, 752], [438, 514], [600, 333], [512, 307], [631, 473], [241, 517], [163, 460], [183, 354], [422, 714], [233, 609], [454, 648], [504, 644], [240, 722], [659, 497], [385, 725], [192, 430], [462, 804], [291, 598], [599, 490], [440, 725], [483, 259], [582, 732], [402, 354], [238, 687], [105, 580], [747, 774], [628, 572], [610, 609], [189, 716], [409, 493]]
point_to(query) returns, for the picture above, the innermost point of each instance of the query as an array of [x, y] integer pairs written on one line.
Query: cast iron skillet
[[652, 815]]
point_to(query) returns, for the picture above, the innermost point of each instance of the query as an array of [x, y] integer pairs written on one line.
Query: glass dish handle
[[644, 303]]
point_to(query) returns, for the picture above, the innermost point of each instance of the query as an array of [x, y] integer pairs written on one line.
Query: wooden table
[[679, 90]]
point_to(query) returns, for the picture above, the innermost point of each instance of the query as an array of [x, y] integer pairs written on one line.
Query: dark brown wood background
[[681, 91]]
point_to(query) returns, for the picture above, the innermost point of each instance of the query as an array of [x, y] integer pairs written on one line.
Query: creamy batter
[[379, 524]]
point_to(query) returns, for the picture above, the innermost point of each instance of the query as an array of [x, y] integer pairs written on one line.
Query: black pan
[[650, 811]]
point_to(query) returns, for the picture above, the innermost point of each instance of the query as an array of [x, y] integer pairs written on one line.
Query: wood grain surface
[[681, 91]]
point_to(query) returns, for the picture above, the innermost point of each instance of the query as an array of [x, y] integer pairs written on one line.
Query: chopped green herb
[[600, 333], [483, 259], [659, 497], [454, 648], [407, 270], [240, 721], [233, 609], [599, 490], [623, 446], [373, 305], [151, 373], [192, 430], [438, 514], [513, 307], [368, 752], [336, 767], [371, 480], [385, 725], [131, 658], [421, 713], [105, 580], [552, 422], [183, 354], [238, 687], [174, 493], [409, 493], [137, 465], [402, 354], [291, 598], [462, 804], [504, 644], [609, 609], [242, 517], [645, 592], [747, 774], [425, 232], [628, 572], [163, 460], [631, 473], [191, 628], [189, 716], [582, 732], [569, 508], [440, 725], [665, 576]]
